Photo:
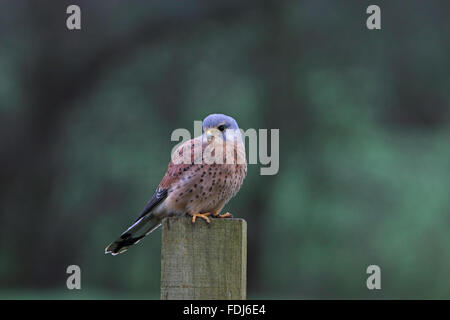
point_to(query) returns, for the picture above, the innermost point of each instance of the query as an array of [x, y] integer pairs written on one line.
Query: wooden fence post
[[202, 261]]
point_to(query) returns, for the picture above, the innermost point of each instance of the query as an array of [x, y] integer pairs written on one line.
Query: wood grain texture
[[203, 261]]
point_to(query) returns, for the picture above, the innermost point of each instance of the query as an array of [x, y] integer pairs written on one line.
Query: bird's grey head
[[221, 125]]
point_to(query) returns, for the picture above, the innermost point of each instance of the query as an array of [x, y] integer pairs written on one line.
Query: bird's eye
[[221, 127]]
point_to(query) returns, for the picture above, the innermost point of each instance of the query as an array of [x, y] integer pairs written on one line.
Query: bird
[[204, 173]]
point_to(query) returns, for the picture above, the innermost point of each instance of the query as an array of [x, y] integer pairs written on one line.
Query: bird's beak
[[211, 133]]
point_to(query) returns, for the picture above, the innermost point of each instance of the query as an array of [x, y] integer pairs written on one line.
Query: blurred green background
[[86, 118]]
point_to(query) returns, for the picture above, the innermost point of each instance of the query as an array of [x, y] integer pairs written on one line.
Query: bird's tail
[[134, 234]]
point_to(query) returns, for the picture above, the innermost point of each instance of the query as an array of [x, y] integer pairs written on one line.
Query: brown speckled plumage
[[200, 188], [194, 184]]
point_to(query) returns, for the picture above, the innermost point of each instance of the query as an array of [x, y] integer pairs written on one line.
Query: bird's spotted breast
[[205, 187]]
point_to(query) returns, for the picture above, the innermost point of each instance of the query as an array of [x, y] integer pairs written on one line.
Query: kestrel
[[202, 176]]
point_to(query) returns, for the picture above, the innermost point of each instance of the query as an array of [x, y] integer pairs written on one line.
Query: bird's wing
[[174, 173], [142, 226], [147, 222], [177, 170], [159, 195]]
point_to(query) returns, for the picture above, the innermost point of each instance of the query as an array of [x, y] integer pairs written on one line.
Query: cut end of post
[[201, 261]]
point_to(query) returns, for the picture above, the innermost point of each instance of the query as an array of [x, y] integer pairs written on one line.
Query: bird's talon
[[225, 215], [204, 216]]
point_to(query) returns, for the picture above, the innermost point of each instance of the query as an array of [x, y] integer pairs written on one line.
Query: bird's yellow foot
[[225, 215], [204, 216]]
